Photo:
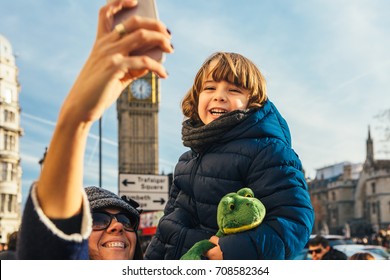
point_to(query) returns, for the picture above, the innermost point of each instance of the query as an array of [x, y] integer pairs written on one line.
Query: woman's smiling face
[[112, 243]]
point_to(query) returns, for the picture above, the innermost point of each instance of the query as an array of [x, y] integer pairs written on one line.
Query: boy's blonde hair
[[233, 68]]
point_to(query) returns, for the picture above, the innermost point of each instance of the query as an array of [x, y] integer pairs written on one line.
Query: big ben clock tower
[[137, 109]]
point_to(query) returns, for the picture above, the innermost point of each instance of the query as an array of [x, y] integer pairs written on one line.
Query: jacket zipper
[[198, 159], [195, 168], [182, 234]]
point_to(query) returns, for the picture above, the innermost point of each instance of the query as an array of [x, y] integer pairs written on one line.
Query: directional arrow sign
[[125, 182], [150, 191], [143, 183], [161, 201], [149, 201]]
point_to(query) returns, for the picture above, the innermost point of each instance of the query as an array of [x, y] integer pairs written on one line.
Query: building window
[[2, 202], [333, 217], [373, 188], [9, 116], [10, 200], [373, 207], [9, 142], [4, 168], [13, 172], [334, 196], [8, 171], [368, 209]]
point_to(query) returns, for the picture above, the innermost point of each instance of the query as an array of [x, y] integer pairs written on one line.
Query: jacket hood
[[264, 122]]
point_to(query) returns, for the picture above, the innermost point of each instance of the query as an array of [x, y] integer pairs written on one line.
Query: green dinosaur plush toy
[[236, 212]]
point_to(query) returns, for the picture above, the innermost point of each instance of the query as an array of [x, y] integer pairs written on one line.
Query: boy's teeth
[[217, 112]]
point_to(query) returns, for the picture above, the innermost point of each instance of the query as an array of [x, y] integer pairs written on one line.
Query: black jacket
[[334, 254]]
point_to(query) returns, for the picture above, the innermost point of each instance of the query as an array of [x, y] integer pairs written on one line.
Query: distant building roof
[[337, 169]]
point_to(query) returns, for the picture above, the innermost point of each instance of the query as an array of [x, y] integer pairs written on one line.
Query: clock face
[[141, 89]]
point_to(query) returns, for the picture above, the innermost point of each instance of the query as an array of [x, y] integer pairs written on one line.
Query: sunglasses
[[102, 220], [317, 251]]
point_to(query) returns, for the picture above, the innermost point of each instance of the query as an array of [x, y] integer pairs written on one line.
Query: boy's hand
[[214, 253]]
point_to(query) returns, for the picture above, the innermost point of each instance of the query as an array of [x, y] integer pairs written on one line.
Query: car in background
[[378, 252], [334, 239]]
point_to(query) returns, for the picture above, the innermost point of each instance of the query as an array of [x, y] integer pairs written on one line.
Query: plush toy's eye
[[231, 206], [248, 195]]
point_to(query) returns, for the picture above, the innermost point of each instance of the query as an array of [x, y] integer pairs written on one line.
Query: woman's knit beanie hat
[[102, 198]]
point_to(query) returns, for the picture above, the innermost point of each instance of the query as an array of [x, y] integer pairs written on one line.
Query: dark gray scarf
[[198, 136]]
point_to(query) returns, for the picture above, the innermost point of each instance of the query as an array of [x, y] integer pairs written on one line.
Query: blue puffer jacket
[[257, 154]]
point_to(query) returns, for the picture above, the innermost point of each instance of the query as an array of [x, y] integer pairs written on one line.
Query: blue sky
[[327, 66]]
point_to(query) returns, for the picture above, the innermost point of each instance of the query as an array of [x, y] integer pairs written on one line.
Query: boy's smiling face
[[218, 98]]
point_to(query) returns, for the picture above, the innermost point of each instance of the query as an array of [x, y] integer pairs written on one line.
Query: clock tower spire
[[137, 110]]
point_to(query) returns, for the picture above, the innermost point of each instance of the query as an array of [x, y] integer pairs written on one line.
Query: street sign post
[[150, 191]]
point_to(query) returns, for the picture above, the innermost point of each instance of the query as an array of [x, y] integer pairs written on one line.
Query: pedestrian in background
[[320, 249], [10, 253], [362, 256]]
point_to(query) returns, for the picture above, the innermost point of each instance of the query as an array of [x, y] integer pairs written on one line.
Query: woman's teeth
[[115, 245]]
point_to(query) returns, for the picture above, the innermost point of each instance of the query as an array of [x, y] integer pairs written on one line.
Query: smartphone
[[145, 8]]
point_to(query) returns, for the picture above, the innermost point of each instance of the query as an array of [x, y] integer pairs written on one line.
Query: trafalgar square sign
[[150, 191]]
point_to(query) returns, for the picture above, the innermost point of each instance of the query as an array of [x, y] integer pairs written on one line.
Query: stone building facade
[[352, 199], [10, 132], [372, 193]]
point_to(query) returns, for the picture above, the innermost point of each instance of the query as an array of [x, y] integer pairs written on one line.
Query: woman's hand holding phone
[[147, 9], [114, 61], [110, 67]]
